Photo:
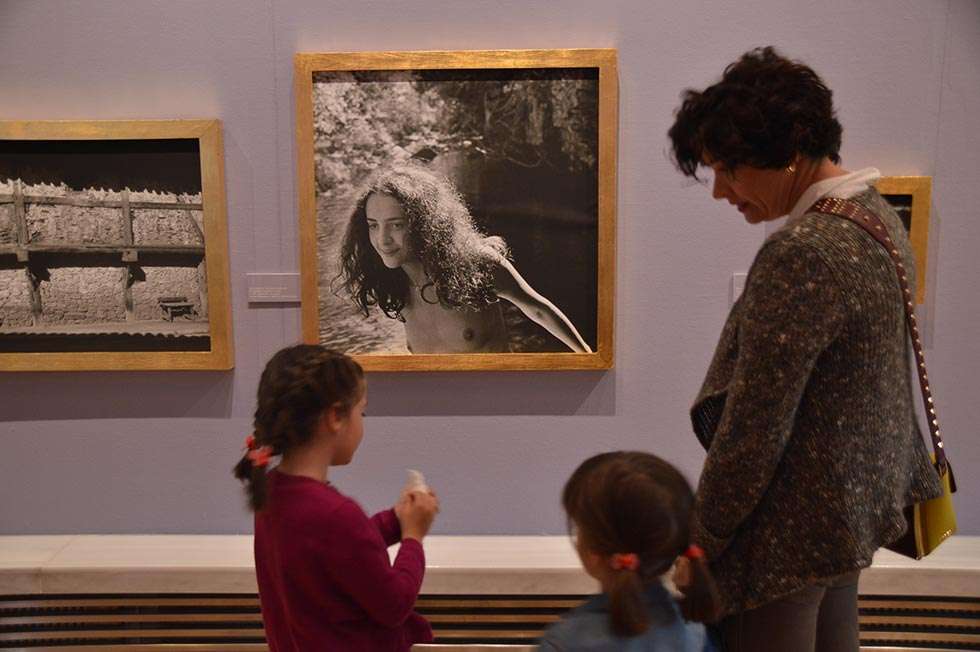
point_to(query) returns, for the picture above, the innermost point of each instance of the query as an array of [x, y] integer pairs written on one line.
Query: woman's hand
[[416, 510]]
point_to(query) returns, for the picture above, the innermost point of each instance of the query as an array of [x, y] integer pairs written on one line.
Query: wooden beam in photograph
[[202, 288], [127, 218], [190, 218], [115, 255], [20, 216], [57, 248], [127, 277], [34, 285], [80, 202]]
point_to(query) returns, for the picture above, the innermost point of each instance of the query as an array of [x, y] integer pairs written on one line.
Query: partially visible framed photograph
[[113, 246], [457, 209], [911, 198]]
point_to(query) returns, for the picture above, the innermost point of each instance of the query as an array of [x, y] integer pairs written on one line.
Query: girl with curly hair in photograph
[[413, 250]]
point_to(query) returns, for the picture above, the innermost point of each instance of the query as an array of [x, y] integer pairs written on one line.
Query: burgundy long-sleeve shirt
[[325, 579]]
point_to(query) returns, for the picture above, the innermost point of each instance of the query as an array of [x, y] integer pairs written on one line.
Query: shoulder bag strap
[[871, 223]]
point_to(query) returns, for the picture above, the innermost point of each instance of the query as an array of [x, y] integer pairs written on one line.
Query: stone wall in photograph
[[83, 295], [8, 228], [15, 298], [93, 295], [72, 224], [167, 226], [166, 282], [48, 224]]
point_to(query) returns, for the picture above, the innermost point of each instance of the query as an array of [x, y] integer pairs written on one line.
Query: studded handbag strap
[[871, 223]]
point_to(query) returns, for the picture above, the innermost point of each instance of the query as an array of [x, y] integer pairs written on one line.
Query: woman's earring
[[791, 168]]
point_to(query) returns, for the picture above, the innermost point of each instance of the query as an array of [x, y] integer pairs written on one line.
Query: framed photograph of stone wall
[[911, 198], [457, 209], [113, 246]]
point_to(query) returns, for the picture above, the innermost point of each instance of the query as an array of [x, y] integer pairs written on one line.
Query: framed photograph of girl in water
[[113, 246], [457, 209]]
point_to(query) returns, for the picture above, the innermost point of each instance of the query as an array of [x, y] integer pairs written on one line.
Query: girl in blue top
[[628, 514]]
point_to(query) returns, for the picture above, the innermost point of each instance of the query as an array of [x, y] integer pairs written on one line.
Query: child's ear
[[333, 418], [595, 559], [593, 563]]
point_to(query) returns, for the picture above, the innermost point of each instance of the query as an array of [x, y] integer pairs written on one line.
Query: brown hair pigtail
[[255, 482], [627, 608], [701, 602]]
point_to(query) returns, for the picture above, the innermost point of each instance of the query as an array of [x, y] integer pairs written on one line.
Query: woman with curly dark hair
[[806, 413], [412, 249]]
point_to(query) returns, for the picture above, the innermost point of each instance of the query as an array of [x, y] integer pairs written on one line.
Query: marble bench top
[[523, 565]]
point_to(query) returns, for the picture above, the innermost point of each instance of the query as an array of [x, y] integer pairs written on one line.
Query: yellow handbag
[[935, 520], [930, 522]]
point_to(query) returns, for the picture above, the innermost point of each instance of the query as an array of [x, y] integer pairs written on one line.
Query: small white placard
[[273, 287], [738, 284]]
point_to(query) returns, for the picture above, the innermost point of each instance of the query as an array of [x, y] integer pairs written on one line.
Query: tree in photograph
[[363, 121]]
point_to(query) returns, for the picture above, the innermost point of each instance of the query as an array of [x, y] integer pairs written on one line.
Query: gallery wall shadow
[[502, 393], [114, 395]]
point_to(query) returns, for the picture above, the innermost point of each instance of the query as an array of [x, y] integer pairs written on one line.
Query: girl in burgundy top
[[325, 579]]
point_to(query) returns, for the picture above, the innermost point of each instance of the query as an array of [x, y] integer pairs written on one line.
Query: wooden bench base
[[197, 593], [214, 622]]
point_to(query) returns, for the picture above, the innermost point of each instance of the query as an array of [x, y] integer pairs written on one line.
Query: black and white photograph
[[457, 211], [102, 246], [910, 196]]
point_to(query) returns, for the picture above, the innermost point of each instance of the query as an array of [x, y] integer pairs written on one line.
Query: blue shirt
[[587, 629]]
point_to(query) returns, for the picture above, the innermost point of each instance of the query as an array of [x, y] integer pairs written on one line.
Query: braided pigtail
[[252, 470]]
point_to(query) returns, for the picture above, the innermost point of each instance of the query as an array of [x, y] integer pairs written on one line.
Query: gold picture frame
[[316, 116], [148, 220], [911, 196]]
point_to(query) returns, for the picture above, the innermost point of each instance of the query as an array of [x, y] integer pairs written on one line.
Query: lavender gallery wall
[[152, 452]]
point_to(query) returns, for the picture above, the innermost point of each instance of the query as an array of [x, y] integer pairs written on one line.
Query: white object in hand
[[415, 482]]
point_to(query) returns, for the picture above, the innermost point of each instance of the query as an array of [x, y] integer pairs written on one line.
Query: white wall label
[[738, 284], [273, 287]]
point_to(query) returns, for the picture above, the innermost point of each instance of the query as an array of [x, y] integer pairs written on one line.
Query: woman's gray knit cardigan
[[807, 414]]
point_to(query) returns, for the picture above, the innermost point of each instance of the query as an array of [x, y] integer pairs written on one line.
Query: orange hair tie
[[260, 456], [627, 561], [250, 443], [694, 552]]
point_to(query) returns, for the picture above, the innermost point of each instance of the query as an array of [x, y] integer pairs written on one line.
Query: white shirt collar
[[844, 187]]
